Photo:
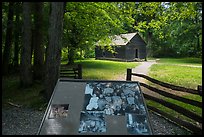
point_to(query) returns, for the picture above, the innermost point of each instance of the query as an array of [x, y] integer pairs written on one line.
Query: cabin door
[[136, 53], [103, 53]]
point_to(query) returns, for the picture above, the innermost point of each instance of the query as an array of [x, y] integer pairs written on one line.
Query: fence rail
[[175, 107], [73, 72], [162, 92], [167, 85], [192, 127]]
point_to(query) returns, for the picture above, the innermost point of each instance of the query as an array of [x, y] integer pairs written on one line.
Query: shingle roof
[[122, 39]]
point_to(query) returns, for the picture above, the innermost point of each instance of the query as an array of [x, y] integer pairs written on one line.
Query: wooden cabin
[[127, 47]]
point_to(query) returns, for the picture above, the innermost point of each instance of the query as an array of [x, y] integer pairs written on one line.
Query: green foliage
[[88, 22], [80, 54], [64, 54], [90, 53], [176, 27]]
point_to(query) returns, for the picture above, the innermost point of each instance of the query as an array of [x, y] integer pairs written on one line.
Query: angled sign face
[[96, 107]]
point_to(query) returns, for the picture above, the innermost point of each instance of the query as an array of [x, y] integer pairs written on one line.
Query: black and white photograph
[[113, 99], [137, 124], [92, 122], [58, 111]]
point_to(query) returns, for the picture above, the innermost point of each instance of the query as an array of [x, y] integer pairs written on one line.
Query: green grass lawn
[[189, 77], [103, 69]]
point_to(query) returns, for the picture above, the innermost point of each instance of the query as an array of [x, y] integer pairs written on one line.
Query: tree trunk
[[37, 41], [32, 45], [17, 33], [8, 41], [198, 44], [70, 56], [25, 74], [149, 44], [53, 56]]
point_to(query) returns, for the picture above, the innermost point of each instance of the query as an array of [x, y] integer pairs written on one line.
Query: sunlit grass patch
[[188, 77], [103, 69]]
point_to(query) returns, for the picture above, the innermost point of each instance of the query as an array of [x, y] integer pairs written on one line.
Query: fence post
[[200, 90], [79, 71], [129, 72]]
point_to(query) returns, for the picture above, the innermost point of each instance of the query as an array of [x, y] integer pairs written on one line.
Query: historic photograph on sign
[[113, 98], [137, 124], [58, 111], [92, 122]]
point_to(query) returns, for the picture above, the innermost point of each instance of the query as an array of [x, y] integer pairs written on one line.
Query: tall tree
[[25, 72], [147, 14], [17, 34], [38, 41], [53, 53], [8, 41], [180, 30]]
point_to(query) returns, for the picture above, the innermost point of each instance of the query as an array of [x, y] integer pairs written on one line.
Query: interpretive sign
[[96, 107]]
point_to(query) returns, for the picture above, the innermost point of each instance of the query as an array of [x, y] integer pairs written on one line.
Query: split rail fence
[[71, 72], [192, 127]]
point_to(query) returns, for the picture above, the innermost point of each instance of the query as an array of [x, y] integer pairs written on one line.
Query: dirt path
[[142, 69]]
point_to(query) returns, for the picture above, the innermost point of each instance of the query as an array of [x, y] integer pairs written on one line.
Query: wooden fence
[[195, 129], [71, 72]]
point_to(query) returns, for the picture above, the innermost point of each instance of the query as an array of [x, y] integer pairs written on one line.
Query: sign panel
[[96, 107]]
